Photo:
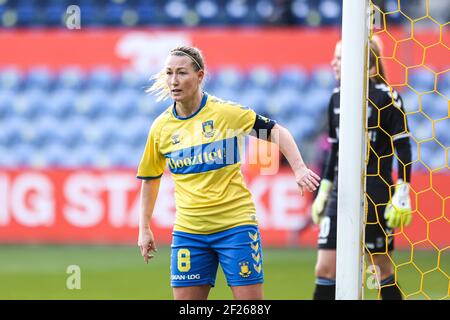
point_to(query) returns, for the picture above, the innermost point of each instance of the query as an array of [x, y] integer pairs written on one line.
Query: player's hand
[[307, 180], [146, 244], [398, 211], [318, 205]]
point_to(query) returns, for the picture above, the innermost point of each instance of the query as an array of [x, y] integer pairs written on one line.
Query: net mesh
[[415, 54]]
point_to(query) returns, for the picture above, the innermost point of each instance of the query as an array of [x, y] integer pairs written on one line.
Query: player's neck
[[189, 107]]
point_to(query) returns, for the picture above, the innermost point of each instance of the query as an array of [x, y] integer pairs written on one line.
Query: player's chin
[[177, 97]]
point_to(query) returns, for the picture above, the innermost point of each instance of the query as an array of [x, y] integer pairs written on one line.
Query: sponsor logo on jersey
[[205, 157], [185, 276]]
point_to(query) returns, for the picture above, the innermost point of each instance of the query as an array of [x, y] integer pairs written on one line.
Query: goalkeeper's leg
[[325, 288], [379, 240], [388, 287], [326, 256]]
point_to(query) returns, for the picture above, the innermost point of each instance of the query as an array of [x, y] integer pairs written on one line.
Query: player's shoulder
[[335, 98], [161, 119], [336, 91], [386, 94], [384, 90], [225, 106]]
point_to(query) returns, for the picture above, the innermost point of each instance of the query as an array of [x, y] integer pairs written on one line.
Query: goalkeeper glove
[[398, 210], [318, 205]]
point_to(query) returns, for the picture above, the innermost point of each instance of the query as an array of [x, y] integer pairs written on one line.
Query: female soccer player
[[387, 128], [199, 137]]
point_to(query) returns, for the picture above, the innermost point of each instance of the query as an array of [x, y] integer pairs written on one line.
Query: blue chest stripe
[[205, 157]]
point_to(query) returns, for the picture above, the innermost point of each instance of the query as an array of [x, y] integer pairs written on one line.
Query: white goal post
[[354, 81]]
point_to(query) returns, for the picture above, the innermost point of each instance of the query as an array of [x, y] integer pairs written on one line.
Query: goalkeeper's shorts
[[195, 257], [378, 237]]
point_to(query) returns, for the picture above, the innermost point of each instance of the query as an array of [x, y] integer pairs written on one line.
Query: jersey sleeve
[[396, 122], [241, 118], [152, 162], [332, 134]]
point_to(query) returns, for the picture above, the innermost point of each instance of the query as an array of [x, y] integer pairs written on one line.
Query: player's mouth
[[176, 91]]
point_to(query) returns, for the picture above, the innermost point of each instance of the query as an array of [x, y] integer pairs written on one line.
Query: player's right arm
[[150, 171], [149, 193]]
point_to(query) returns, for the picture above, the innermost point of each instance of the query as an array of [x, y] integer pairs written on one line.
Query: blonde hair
[[159, 87], [374, 60]]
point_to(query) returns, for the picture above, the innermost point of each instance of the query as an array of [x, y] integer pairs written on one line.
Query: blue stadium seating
[[101, 118], [106, 13]]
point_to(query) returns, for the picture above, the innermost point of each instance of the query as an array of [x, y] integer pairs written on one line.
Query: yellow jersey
[[203, 152]]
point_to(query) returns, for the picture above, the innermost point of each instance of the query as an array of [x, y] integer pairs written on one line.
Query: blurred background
[[74, 119]]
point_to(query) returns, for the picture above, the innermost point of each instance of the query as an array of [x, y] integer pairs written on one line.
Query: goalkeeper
[[388, 203]]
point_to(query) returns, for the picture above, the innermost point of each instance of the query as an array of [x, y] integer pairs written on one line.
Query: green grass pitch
[[118, 272]]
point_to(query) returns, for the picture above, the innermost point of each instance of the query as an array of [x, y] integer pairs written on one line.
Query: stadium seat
[[29, 103], [123, 103], [323, 77], [61, 103], [135, 130], [434, 106], [92, 103], [421, 128], [175, 12], [292, 76], [71, 78], [421, 79], [442, 132], [56, 155], [261, 77], [330, 11], [230, 78], [316, 101], [39, 78], [6, 100], [210, 12], [11, 78], [300, 10], [26, 13], [46, 128], [55, 12], [102, 78]]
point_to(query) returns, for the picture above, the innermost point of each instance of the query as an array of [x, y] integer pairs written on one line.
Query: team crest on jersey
[[175, 139], [245, 271], [208, 128]]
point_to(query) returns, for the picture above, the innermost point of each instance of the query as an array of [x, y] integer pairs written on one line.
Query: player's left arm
[[398, 212], [268, 129]]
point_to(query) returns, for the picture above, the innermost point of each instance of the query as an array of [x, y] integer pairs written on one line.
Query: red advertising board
[[101, 206], [146, 49]]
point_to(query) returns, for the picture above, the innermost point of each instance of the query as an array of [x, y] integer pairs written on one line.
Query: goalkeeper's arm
[[403, 149], [398, 210], [326, 185]]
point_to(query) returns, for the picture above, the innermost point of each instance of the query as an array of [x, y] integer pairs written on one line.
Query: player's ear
[[201, 75]]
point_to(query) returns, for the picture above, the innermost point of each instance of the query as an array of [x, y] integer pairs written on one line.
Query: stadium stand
[[71, 118], [131, 13]]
